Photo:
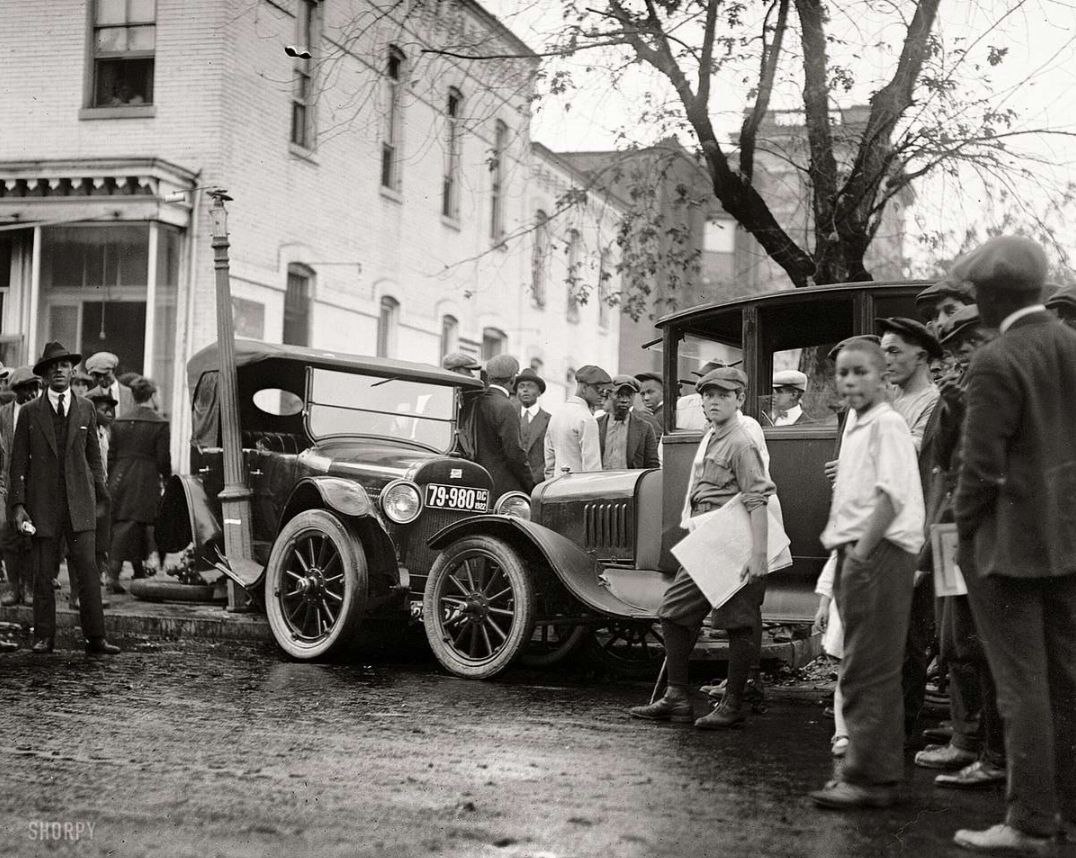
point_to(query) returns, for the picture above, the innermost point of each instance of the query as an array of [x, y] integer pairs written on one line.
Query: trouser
[[977, 726], [1028, 628], [101, 542], [918, 650], [874, 598], [16, 550], [81, 565]]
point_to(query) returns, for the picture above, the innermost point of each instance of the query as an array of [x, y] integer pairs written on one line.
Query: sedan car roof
[[248, 352]]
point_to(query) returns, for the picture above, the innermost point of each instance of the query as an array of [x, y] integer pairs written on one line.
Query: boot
[[728, 714], [675, 709], [754, 695]]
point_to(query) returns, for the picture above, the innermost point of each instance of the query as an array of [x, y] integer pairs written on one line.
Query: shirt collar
[[1007, 322], [54, 398], [869, 417], [532, 411], [577, 400], [498, 387]]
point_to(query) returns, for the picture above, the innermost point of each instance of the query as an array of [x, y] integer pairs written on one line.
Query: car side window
[[698, 353]]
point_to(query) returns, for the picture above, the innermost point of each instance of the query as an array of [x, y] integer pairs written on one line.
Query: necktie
[[60, 406], [526, 418]]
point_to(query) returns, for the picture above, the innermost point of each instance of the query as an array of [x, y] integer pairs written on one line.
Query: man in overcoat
[[1016, 520], [625, 439], [25, 386], [497, 445], [56, 483]]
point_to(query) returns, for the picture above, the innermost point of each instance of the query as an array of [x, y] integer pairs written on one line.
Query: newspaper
[[948, 579]]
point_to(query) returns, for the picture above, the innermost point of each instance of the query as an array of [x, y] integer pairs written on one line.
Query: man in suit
[[1015, 518], [496, 426], [25, 386], [57, 481], [789, 386], [102, 367], [626, 440], [533, 420]]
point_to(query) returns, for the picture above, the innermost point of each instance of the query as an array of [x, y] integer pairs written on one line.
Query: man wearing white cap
[[789, 385], [102, 366]]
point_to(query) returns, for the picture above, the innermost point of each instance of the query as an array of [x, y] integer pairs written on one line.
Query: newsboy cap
[[648, 376], [590, 374], [620, 381], [944, 288], [911, 331], [711, 365], [99, 394], [836, 350], [962, 322], [459, 360], [502, 366], [790, 378], [102, 362], [1063, 299], [1008, 263], [725, 377], [528, 374], [22, 375]]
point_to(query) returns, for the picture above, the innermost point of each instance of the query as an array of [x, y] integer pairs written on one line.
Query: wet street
[[202, 750]]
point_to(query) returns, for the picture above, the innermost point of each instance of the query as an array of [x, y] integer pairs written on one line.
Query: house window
[[450, 335], [302, 102], [124, 41], [297, 306], [390, 143], [387, 323], [605, 278], [450, 187], [496, 169], [539, 268], [494, 342], [575, 262]]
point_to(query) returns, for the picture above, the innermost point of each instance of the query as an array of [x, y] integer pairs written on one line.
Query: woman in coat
[[138, 464]]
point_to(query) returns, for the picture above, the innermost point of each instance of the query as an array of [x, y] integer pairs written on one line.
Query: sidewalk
[[127, 617]]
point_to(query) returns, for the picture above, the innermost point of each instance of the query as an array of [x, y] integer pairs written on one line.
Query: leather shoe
[[99, 646], [1005, 839], [677, 710], [948, 758], [842, 795], [42, 646], [729, 714], [976, 776]]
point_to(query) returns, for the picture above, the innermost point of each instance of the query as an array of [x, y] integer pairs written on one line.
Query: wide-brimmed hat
[[911, 331], [22, 375], [528, 374], [53, 352]]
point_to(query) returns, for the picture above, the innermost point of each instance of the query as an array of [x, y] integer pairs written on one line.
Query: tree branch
[[768, 71]]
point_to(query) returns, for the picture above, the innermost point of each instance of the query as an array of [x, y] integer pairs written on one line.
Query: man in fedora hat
[[25, 387], [57, 482], [533, 420]]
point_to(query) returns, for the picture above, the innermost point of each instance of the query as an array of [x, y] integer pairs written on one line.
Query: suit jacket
[[653, 420], [642, 446], [35, 467], [533, 440], [7, 436], [1017, 477], [497, 445], [125, 400], [138, 460]]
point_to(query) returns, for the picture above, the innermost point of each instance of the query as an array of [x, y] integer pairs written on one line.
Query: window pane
[[141, 38], [95, 257], [123, 82], [112, 39], [249, 318], [111, 12], [142, 11]]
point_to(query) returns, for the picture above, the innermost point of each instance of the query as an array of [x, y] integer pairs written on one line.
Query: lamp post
[[235, 498]]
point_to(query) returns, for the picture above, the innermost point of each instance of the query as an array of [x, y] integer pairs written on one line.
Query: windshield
[[347, 404]]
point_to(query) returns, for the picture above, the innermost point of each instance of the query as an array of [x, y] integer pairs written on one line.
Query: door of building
[[101, 326]]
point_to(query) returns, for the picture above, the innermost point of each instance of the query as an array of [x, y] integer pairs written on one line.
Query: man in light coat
[[571, 439]]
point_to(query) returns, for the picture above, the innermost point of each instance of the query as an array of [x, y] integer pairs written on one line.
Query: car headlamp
[[515, 504], [401, 501]]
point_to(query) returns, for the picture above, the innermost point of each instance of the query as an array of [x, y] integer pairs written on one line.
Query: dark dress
[[138, 462]]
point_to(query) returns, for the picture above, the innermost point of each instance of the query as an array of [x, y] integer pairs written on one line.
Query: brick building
[[385, 196]]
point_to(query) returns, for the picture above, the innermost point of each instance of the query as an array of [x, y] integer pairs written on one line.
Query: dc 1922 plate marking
[[459, 498]]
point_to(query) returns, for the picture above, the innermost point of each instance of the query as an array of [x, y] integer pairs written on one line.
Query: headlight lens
[[514, 503], [401, 501]]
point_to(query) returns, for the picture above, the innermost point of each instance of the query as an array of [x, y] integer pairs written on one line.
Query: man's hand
[[20, 516], [821, 616], [831, 471], [755, 569]]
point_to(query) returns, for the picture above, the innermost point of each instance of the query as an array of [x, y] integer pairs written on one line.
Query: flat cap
[[725, 377], [944, 288], [711, 365], [911, 331], [528, 374], [790, 378], [22, 375], [99, 394], [1063, 299], [591, 374], [963, 321], [648, 376], [1009, 263], [102, 362], [620, 381], [836, 350], [502, 366], [459, 360]]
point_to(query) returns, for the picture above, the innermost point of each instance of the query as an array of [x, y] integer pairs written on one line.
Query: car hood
[[365, 459]]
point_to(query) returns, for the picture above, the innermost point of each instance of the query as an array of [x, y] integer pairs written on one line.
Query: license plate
[[457, 497]]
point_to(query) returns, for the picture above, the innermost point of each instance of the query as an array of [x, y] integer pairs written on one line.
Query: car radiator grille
[[609, 529]]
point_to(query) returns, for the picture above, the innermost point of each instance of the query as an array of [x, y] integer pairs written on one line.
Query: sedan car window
[[281, 403]]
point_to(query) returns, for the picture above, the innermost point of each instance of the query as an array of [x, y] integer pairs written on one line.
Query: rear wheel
[[632, 649], [552, 642], [315, 585], [478, 607]]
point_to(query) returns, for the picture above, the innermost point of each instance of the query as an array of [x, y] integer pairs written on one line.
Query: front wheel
[[478, 607], [315, 585]]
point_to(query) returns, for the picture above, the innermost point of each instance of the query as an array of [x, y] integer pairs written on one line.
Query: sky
[[1035, 78]]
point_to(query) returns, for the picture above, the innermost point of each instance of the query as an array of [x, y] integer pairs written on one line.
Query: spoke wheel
[[478, 607], [552, 642], [315, 585], [631, 649]]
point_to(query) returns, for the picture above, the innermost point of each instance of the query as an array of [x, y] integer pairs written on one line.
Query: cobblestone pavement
[[225, 749]]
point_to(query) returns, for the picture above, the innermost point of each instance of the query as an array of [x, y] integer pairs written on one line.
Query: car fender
[[580, 573], [188, 517]]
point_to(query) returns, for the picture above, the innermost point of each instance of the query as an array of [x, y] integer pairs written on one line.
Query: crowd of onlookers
[[84, 452]]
